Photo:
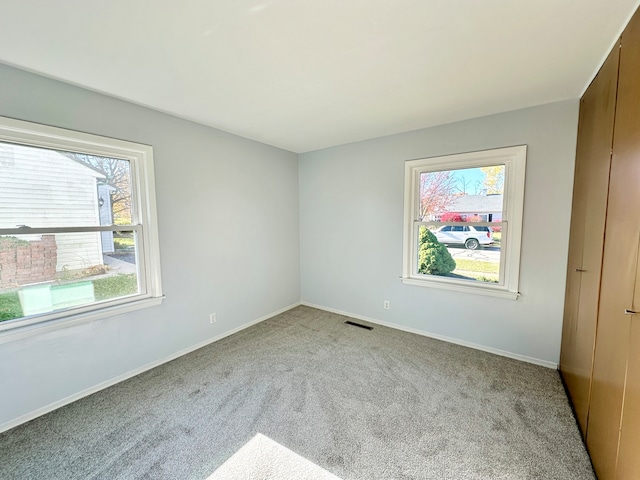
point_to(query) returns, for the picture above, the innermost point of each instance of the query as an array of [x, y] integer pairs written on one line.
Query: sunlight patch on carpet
[[264, 459]]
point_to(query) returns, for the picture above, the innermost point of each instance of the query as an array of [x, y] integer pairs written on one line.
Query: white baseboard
[[120, 378], [496, 351]]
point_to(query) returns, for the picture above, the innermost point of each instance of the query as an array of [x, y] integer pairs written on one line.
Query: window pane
[[472, 254], [47, 273], [464, 195], [40, 187]]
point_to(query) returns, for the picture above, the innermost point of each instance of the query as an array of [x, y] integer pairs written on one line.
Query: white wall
[[351, 214], [229, 241]]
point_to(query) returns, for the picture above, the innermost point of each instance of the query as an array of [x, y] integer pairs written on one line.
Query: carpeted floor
[[379, 404]]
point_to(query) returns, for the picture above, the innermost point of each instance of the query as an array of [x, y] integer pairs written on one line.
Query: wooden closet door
[[619, 265], [591, 186], [629, 451], [628, 466]]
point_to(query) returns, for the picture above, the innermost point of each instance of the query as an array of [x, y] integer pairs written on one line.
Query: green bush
[[433, 257]]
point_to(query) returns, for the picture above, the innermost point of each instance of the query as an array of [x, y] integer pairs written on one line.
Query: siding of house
[[60, 193]]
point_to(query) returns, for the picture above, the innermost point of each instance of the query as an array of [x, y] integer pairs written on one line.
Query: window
[[78, 229], [463, 221]]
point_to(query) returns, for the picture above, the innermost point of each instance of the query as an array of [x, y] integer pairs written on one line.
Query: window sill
[[20, 332], [485, 290]]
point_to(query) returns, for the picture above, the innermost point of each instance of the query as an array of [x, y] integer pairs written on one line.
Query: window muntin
[[77, 224], [471, 207]]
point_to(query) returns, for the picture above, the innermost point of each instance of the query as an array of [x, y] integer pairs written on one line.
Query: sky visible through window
[[470, 181]]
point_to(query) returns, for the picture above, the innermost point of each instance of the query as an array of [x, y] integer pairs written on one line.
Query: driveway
[[486, 254], [118, 264]]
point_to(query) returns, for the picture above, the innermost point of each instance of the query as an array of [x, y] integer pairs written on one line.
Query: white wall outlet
[[212, 318], [386, 304]]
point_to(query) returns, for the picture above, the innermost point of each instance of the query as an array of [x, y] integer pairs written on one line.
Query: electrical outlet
[[386, 304], [212, 318]]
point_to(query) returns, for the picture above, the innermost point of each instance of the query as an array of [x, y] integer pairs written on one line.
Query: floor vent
[[366, 327]]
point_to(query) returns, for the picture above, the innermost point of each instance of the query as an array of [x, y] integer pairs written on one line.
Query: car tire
[[472, 244]]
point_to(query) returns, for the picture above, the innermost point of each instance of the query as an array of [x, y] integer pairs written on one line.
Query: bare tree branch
[[118, 175]]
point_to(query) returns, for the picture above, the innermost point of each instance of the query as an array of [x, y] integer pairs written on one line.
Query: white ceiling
[[309, 74]]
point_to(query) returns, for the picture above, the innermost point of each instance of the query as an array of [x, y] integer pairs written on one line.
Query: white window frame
[[514, 160], [144, 222]]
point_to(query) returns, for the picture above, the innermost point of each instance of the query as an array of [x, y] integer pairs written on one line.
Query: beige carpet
[[263, 459]]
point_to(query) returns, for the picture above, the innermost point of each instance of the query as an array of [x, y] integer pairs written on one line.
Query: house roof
[[476, 204]]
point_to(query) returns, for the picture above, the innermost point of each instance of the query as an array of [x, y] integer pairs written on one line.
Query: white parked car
[[471, 236]]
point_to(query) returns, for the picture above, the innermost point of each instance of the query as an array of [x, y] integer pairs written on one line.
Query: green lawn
[[104, 289], [477, 266], [123, 243], [10, 306], [116, 286], [477, 270]]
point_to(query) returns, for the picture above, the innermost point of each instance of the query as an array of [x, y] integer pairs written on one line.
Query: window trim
[[514, 159], [144, 220]]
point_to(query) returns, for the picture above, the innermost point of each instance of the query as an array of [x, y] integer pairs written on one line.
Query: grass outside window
[[104, 289]]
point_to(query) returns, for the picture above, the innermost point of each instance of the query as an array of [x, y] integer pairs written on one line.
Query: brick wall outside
[[31, 263]]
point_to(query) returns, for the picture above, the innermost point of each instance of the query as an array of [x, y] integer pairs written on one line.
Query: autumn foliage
[[451, 217], [436, 192]]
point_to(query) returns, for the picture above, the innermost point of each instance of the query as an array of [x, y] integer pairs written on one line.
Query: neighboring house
[[63, 192], [487, 207]]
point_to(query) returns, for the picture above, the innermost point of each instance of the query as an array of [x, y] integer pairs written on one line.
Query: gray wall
[[351, 207], [229, 241], [231, 222]]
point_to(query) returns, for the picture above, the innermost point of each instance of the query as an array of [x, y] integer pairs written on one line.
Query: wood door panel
[[628, 464], [611, 351], [591, 185], [569, 360], [629, 455], [619, 265]]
